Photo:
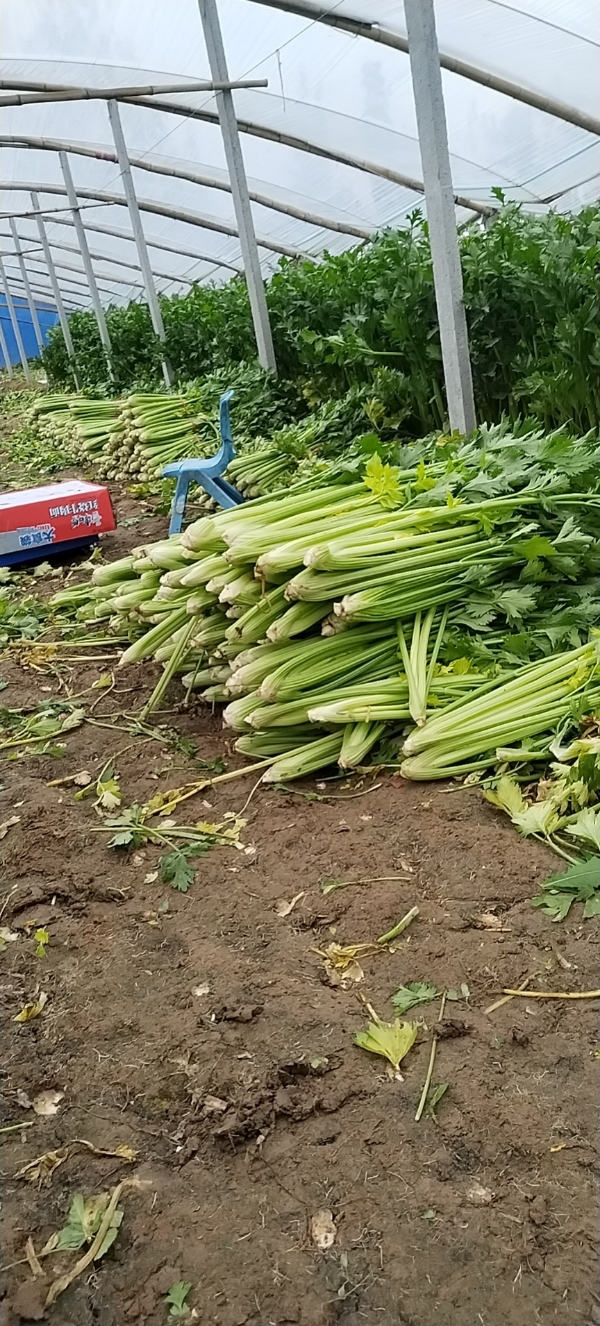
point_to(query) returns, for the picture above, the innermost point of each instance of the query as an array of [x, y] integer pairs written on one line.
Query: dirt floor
[[200, 1029]]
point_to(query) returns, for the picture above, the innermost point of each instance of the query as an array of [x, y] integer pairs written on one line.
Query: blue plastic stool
[[208, 474]]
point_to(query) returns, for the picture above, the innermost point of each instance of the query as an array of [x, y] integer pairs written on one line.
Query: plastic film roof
[[330, 146]]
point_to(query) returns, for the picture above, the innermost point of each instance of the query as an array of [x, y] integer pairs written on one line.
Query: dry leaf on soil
[[322, 1229], [477, 1195], [214, 1105], [32, 1009], [47, 1102], [41, 1169], [8, 824], [284, 908], [392, 1040]]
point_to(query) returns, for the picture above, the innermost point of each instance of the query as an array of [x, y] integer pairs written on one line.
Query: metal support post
[[87, 261], [4, 349], [26, 286], [138, 232], [435, 158], [60, 308], [239, 184], [12, 313]]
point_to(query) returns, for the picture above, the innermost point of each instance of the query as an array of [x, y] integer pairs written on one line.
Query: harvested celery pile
[[444, 606]]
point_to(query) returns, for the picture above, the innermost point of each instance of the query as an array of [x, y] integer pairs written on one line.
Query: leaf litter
[[391, 1040], [41, 1169]]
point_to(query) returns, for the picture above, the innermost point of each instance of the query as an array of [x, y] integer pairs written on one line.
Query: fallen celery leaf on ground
[[85, 1218], [392, 1040], [176, 1299], [554, 994], [434, 1097], [330, 885], [8, 824], [580, 883], [108, 792], [175, 866], [397, 929], [32, 1009], [284, 908], [408, 996], [42, 939]]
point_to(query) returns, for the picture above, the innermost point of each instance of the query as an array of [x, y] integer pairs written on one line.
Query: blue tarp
[[47, 315]]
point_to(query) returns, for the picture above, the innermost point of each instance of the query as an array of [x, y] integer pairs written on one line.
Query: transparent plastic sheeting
[[345, 97]]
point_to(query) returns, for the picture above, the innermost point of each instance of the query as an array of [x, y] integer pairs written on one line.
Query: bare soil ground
[[207, 1038]]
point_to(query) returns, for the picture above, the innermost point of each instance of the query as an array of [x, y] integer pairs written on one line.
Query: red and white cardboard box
[[38, 518]]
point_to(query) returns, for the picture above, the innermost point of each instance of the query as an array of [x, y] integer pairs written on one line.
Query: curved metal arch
[[314, 149], [358, 27], [194, 177], [99, 257], [71, 267], [161, 209], [154, 243], [300, 144], [72, 287], [43, 293], [78, 271]]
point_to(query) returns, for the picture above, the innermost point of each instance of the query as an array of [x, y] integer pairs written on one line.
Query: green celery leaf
[[434, 1096], [124, 838], [587, 827], [392, 1040], [175, 867], [176, 1298], [418, 992], [555, 908], [507, 796]]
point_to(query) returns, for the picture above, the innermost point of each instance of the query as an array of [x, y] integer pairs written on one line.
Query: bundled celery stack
[[50, 416], [326, 617], [133, 439], [76, 422], [93, 422], [152, 431]]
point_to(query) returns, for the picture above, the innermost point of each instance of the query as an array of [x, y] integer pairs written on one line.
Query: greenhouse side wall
[[47, 318]]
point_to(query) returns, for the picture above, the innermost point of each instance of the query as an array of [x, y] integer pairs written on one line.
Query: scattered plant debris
[[392, 1040], [33, 1008], [323, 1230], [86, 1215]]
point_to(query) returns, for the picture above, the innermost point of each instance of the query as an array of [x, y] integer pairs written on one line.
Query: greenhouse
[[299, 506]]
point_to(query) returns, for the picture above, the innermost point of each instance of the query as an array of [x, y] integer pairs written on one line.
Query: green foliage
[[85, 1217], [175, 866], [408, 996], [176, 1299], [580, 883], [531, 294]]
